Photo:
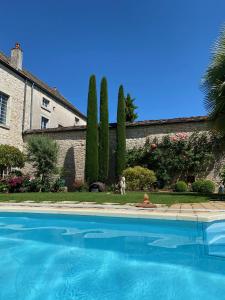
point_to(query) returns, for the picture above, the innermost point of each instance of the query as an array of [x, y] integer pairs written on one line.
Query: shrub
[[139, 178], [208, 186], [181, 186], [14, 183], [80, 186], [25, 187], [222, 174], [177, 156], [203, 186], [10, 157], [16, 173], [3, 187], [58, 185], [33, 185], [196, 186], [42, 153], [29, 185]]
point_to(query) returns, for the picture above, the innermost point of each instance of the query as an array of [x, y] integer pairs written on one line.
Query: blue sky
[[158, 49]]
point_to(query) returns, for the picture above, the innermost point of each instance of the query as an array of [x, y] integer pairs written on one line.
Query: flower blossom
[[181, 136]]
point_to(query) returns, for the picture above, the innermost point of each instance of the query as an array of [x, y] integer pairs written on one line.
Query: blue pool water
[[51, 257]]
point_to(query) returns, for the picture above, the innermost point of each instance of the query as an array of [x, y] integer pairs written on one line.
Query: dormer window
[[45, 102]]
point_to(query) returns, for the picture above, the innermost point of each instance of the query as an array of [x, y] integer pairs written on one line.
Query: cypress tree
[[121, 134], [91, 163], [104, 132]]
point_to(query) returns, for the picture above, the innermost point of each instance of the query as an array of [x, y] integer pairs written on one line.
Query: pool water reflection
[[67, 257]]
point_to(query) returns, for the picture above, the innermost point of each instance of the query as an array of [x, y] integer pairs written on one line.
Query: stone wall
[[13, 86], [71, 141]]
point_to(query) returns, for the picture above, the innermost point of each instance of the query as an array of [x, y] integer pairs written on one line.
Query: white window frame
[[5, 117], [47, 122], [45, 103]]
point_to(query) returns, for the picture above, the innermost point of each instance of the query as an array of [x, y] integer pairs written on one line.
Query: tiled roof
[[201, 119], [169, 121], [51, 91]]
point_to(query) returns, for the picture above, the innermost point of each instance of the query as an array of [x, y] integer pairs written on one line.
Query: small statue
[[146, 202], [146, 199], [122, 185]]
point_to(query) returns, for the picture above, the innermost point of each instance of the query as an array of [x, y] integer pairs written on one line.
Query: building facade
[[27, 103]]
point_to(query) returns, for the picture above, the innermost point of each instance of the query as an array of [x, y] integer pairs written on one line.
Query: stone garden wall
[[71, 141]]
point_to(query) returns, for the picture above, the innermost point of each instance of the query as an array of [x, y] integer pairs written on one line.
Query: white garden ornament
[[122, 185]]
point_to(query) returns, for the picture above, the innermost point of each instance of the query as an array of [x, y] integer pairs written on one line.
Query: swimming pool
[[51, 257]]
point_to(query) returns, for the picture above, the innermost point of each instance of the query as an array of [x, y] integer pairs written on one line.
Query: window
[[44, 122], [45, 102], [3, 108]]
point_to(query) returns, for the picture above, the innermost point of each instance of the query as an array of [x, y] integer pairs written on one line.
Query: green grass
[[130, 197]]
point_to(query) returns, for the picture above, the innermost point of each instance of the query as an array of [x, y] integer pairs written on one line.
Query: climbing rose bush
[[181, 136], [178, 156]]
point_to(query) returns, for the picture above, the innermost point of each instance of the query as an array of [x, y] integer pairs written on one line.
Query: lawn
[[130, 197]]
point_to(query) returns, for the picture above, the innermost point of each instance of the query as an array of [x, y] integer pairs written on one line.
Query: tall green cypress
[[104, 132], [91, 163], [121, 134]]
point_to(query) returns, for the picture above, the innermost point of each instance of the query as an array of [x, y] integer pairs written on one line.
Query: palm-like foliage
[[214, 85], [130, 108]]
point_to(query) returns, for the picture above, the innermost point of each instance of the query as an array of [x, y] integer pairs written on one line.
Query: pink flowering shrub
[[16, 183], [181, 136], [177, 157]]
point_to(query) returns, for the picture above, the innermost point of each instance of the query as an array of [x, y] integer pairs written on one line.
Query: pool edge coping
[[208, 217]]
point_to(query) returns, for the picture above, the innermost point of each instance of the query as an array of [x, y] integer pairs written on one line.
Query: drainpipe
[[24, 105], [31, 105]]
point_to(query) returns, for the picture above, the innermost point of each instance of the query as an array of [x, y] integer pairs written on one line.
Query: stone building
[[26, 102]]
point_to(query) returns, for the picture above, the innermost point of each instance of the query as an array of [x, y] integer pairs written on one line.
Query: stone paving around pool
[[208, 211]]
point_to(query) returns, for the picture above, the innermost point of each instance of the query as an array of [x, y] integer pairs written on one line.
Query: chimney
[[17, 57]]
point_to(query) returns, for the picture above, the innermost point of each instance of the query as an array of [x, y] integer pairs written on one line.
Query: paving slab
[[191, 212]]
